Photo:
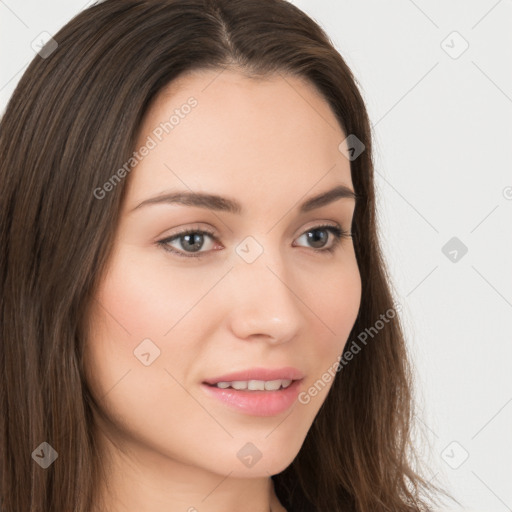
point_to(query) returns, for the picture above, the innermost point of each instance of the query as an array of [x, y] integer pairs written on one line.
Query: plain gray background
[[437, 81]]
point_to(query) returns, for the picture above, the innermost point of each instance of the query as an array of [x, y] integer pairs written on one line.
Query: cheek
[[335, 301], [335, 306], [136, 305], [146, 297], [146, 308]]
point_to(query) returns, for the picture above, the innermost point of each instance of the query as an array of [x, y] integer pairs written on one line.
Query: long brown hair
[[73, 120]]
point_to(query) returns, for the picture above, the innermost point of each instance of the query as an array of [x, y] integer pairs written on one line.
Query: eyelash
[[337, 231]]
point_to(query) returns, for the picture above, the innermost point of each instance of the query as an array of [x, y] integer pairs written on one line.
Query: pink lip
[[257, 403], [287, 372]]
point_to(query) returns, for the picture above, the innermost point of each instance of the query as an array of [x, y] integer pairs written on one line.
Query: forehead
[[215, 130]]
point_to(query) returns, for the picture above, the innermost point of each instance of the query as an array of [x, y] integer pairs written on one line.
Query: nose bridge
[[264, 302]]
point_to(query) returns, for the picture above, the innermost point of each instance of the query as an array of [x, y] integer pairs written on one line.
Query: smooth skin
[[270, 144]]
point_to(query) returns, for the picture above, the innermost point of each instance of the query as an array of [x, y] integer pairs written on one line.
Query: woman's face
[[252, 289]]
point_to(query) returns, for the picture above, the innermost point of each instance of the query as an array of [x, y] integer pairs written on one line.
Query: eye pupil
[[191, 246], [314, 238]]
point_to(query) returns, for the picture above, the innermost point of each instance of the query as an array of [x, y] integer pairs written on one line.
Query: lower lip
[[257, 403]]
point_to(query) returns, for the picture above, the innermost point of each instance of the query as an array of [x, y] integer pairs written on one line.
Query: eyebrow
[[225, 204]]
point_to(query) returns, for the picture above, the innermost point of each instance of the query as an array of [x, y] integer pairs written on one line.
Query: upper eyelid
[[211, 232]]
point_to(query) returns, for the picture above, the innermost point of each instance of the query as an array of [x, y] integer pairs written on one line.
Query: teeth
[[273, 385], [255, 385]]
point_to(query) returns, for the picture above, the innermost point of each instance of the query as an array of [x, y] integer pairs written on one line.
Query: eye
[[319, 241], [192, 241]]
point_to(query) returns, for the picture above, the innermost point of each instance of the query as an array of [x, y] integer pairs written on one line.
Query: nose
[[263, 302]]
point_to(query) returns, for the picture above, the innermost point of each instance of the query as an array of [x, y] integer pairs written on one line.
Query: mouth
[[254, 385], [256, 392], [255, 376]]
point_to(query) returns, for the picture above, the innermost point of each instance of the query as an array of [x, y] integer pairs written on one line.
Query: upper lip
[[266, 374]]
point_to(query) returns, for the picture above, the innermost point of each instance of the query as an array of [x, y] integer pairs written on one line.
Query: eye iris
[[194, 246], [314, 238]]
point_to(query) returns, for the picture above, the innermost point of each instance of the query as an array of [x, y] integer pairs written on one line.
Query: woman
[[196, 314]]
